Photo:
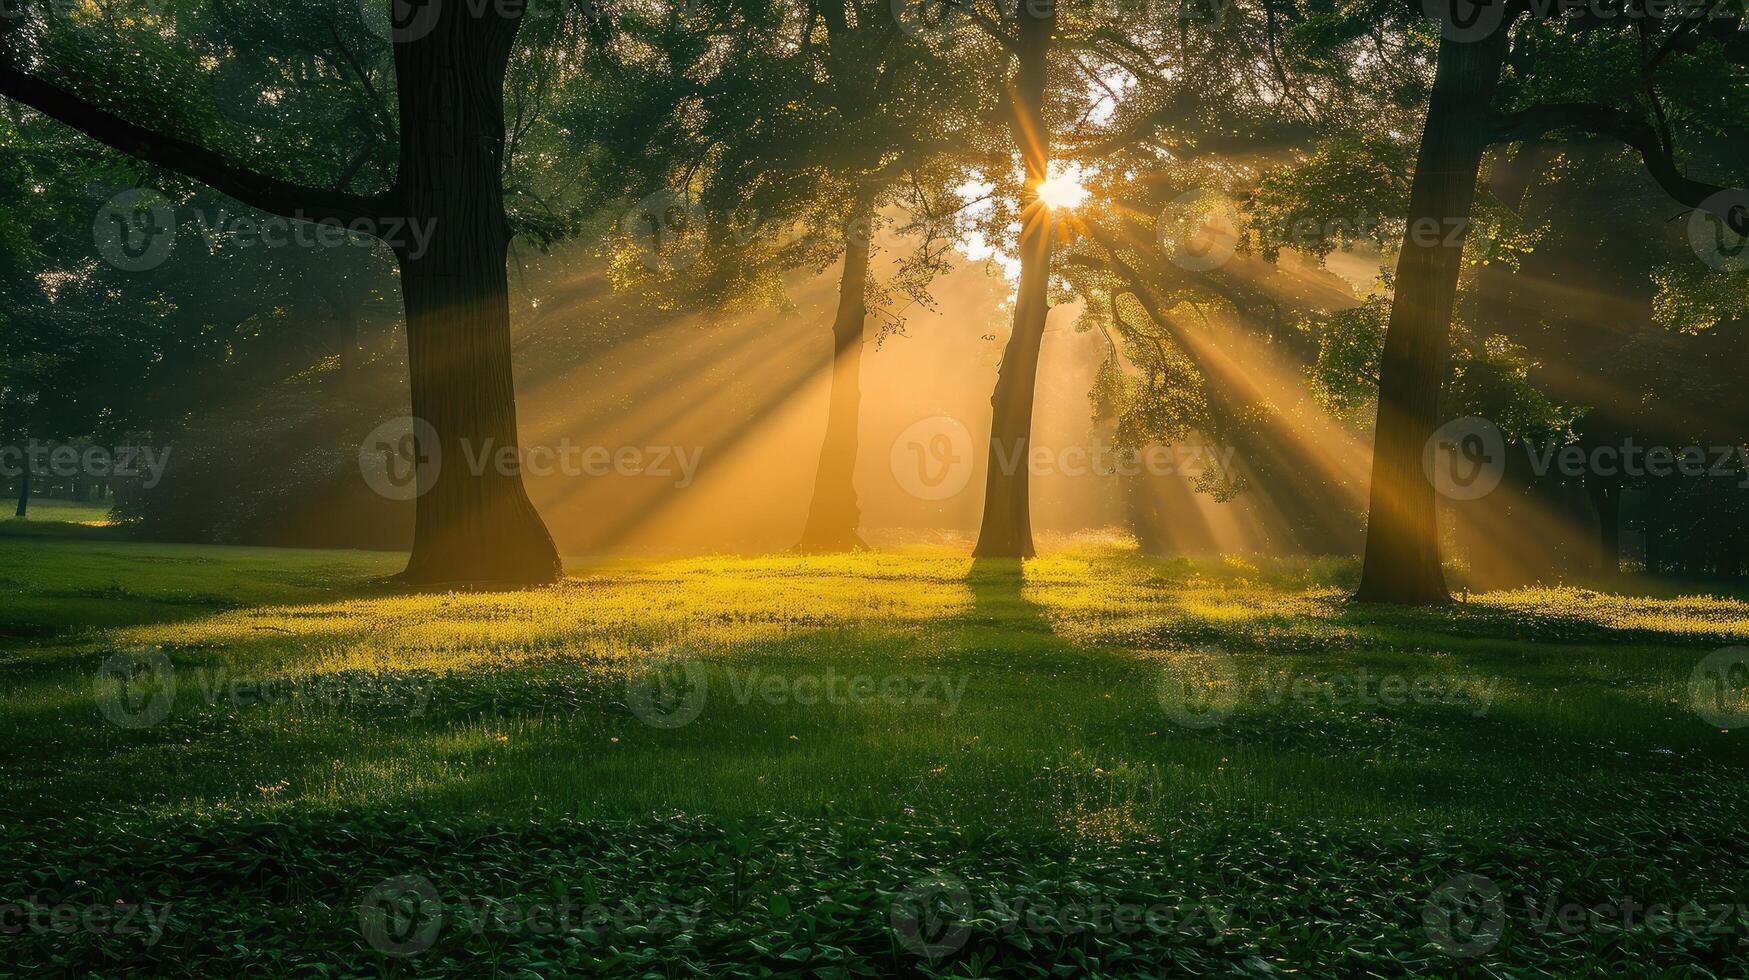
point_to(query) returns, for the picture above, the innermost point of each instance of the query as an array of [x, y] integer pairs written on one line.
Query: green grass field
[[47, 510], [770, 764]]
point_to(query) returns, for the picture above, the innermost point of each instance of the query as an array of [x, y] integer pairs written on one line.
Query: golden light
[[1063, 191]]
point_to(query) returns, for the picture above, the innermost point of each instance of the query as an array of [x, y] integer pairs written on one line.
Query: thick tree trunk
[[1402, 562], [472, 526], [473, 523], [835, 513], [1007, 524]]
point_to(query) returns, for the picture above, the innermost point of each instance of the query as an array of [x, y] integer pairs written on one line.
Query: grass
[[50, 510], [778, 754]]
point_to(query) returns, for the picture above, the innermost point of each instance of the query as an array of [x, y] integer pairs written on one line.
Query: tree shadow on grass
[[1003, 619], [998, 588], [1474, 621]]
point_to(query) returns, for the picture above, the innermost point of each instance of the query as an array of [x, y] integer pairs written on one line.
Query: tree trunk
[[472, 523], [1402, 563], [1007, 525], [450, 62], [1606, 500], [23, 491], [835, 513], [348, 327]]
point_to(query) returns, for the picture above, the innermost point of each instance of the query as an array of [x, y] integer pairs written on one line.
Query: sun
[[1063, 191]]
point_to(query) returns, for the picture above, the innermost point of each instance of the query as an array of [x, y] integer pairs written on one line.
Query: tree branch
[[256, 190], [1617, 124]]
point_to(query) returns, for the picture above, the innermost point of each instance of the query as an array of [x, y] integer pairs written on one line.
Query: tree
[[863, 120], [1402, 543], [450, 64], [815, 127], [1006, 530], [1205, 107], [1402, 560], [1152, 102]]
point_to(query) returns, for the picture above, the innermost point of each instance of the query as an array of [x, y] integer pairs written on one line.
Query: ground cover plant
[[792, 763]]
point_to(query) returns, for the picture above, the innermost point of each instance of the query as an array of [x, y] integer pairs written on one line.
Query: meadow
[[895, 763]]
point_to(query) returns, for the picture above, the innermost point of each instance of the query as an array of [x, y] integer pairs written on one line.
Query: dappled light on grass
[[603, 615], [78, 512], [1700, 618], [1099, 597], [1031, 692]]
